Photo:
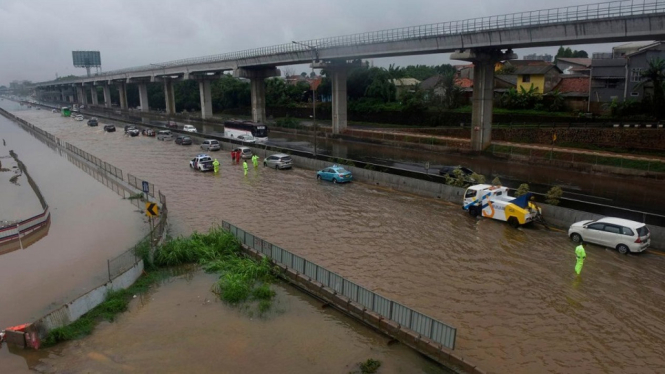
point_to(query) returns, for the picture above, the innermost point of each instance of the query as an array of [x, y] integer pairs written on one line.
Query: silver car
[[164, 135], [210, 145], [278, 161]]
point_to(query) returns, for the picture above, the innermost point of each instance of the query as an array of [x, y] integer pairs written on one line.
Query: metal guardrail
[[585, 12], [422, 324]]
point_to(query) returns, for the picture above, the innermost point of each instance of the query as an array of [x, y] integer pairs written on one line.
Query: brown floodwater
[[89, 224], [512, 294], [182, 327], [17, 199]]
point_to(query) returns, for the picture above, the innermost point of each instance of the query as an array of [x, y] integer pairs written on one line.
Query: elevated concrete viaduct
[[474, 39]]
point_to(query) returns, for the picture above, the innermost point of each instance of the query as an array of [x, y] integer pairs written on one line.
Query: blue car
[[335, 174]]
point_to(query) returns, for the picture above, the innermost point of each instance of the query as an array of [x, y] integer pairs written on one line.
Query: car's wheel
[[473, 212], [265, 164], [576, 238], [623, 249], [318, 177], [276, 166], [335, 180], [513, 222]]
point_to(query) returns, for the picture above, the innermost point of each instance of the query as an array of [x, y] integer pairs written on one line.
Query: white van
[[164, 135]]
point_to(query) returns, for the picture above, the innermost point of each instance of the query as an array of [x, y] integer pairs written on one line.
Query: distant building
[[601, 55], [575, 90], [404, 85], [620, 78], [574, 65], [544, 57]]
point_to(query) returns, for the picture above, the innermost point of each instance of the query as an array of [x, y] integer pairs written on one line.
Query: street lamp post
[[315, 57]]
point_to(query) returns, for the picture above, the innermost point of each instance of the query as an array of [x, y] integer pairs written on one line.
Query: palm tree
[[655, 76]]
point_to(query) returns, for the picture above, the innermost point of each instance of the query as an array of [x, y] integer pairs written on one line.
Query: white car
[[622, 234], [189, 128], [79, 118], [247, 138]]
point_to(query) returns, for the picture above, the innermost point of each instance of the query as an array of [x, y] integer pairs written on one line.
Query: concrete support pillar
[[62, 94], [339, 112], [257, 85], [258, 88], [107, 95], [484, 61], [122, 94], [143, 96], [337, 71], [169, 94], [93, 94], [206, 98], [80, 95]]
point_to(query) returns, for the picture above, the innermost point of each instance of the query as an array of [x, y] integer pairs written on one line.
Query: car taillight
[[341, 175], [638, 240]]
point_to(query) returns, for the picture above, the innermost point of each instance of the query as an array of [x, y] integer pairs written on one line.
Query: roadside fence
[[409, 138], [422, 324]]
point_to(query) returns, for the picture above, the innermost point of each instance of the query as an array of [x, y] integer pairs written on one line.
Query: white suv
[[189, 128], [622, 234]]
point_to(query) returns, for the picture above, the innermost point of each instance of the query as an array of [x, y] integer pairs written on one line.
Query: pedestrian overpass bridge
[[483, 41]]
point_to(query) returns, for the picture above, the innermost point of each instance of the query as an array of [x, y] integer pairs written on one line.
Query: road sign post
[[151, 209], [146, 189]]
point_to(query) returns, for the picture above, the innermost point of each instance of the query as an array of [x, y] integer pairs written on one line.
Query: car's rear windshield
[[341, 171], [642, 231], [246, 151], [286, 158], [214, 142]]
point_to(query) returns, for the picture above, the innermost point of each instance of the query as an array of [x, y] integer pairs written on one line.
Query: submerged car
[[172, 125], [201, 162], [245, 152], [79, 118], [109, 128], [164, 135], [210, 145], [183, 140], [92, 122], [622, 234], [335, 174], [133, 132], [278, 161]]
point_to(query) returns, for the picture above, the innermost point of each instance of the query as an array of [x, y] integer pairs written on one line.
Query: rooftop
[[535, 69]]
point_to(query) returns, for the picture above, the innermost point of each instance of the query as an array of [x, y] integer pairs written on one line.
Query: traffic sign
[[151, 210], [146, 187]]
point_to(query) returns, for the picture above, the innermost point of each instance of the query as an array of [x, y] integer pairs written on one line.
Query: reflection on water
[[26, 240], [511, 293]]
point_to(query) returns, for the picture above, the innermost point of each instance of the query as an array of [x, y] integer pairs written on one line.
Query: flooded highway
[[631, 193], [68, 257], [512, 294]]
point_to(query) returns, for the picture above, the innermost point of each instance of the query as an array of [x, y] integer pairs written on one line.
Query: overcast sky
[[38, 36]]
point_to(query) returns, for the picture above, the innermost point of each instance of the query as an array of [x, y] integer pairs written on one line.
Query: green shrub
[[553, 195], [522, 189], [496, 181]]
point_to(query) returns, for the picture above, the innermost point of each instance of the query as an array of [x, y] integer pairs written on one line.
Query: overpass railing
[[422, 324], [605, 10]]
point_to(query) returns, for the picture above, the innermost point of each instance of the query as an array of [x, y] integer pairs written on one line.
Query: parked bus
[[65, 111], [235, 128]]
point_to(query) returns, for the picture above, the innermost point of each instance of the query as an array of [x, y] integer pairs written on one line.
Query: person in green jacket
[[581, 255], [255, 160], [215, 164], [244, 166]]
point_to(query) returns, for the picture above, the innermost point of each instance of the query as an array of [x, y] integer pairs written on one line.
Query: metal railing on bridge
[[424, 325], [576, 13]]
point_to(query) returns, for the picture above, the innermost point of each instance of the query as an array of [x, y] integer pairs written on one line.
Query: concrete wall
[[73, 310]]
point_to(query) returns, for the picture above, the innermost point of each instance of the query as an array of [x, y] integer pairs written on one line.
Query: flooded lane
[[67, 258], [296, 336], [512, 294]]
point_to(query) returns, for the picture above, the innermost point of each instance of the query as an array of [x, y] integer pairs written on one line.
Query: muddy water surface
[[511, 293], [89, 224], [184, 328]]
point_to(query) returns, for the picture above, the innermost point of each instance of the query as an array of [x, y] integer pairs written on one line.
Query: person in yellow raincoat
[[581, 255], [255, 160], [244, 166], [215, 164]]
